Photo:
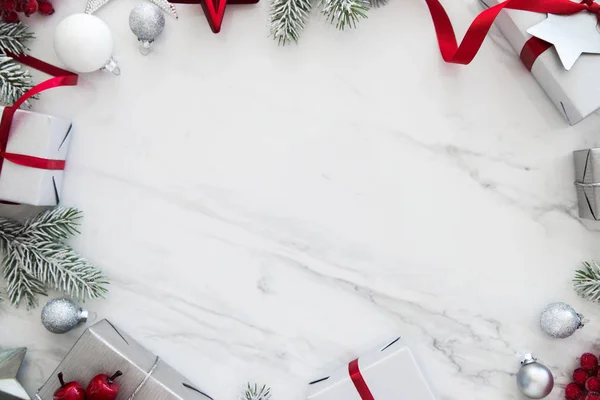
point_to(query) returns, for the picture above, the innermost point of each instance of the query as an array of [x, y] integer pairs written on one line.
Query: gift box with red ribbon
[[573, 93], [33, 161], [389, 373]]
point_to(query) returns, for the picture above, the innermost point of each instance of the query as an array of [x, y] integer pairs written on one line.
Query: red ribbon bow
[[61, 78], [468, 48]]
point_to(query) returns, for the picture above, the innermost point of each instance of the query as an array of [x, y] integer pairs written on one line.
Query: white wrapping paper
[[391, 373], [38, 135]]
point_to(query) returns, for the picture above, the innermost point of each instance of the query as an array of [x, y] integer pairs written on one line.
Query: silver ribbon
[[138, 388], [143, 382], [577, 183]]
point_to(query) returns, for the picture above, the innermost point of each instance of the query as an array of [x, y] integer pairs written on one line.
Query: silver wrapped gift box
[[103, 348], [587, 182]]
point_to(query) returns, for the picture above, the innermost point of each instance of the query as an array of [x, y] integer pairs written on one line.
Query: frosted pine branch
[[36, 259], [55, 224], [345, 13], [288, 18], [60, 268], [13, 38], [254, 392], [587, 281], [14, 80]]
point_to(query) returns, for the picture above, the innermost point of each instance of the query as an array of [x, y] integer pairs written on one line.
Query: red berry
[[573, 391], [30, 8], [580, 375], [9, 5], [10, 17], [588, 361], [593, 396], [592, 384], [45, 8]]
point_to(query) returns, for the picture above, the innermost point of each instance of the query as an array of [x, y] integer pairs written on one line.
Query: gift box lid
[[103, 348], [390, 373]]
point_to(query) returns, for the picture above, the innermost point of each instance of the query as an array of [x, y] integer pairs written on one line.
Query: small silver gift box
[[587, 182], [103, 348]]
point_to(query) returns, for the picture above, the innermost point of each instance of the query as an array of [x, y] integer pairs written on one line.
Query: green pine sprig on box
[[36, 259], [256, 392]]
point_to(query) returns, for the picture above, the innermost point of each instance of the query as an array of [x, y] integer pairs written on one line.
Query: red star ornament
[[214, 10]]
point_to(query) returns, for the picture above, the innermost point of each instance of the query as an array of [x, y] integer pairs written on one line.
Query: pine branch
[[20, 284], [254, 392], [9, 229], [53, 225], [60, 267], [587, 281], [13, 38], [377, 3], [345, 13], [14, 81], [288, 18]]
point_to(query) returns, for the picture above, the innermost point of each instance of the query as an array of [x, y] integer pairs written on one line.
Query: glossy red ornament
[[103, 387], [69, 391], [214, 10]]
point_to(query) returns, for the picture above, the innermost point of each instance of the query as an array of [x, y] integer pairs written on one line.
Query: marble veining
[[266, 213]]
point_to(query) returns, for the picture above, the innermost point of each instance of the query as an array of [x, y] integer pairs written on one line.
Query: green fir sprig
[[36, 258], [587, 281], [288, 19], [14, 80], [256, 392], [345, 13]]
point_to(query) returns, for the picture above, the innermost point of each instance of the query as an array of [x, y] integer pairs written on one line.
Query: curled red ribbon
[[359, 382], [61, 78], [468, 48]]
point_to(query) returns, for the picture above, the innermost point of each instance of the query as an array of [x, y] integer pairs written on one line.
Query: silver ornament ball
[[62, 315], [534, 380], [146, 21], [560, 320]]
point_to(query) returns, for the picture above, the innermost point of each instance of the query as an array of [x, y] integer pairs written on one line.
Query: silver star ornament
[[571, 35], [10, 362], [93, 5]]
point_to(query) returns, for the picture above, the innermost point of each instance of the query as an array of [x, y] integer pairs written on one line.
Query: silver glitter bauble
[[62, 315], [560, 320], [534, 379], [146, 22]]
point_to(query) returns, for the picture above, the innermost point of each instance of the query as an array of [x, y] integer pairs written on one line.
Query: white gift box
[[390, 373], [574, 92], [37, 135]]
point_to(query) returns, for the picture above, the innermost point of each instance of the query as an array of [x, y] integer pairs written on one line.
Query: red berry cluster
[[101, 387], [586, 380], [10, 8]]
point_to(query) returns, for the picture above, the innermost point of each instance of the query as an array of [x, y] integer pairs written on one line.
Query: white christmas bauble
[[83, 43]]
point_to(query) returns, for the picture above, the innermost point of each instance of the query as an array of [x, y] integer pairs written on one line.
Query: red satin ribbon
[[468, 48], [61, 78], [359, 382]]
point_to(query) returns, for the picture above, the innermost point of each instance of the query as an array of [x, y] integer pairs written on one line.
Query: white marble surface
[[265, 213]]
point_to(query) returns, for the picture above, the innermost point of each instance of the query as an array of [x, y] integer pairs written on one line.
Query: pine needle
[[20, 284], [377, 3], [13, 37], [14, 81], [345, 13], [254, 392], [587, 281], [288, 19]]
